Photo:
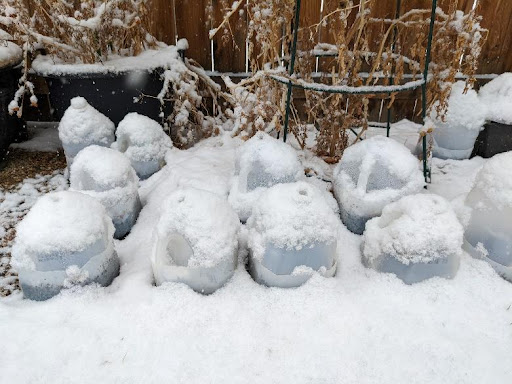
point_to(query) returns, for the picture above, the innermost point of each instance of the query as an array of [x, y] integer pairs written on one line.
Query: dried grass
[[355, 60]]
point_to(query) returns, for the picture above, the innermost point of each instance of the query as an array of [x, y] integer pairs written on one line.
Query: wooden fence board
[[192, 24], [161, 18], [327, 35], [309, 16], [229, 52], [497, 18]]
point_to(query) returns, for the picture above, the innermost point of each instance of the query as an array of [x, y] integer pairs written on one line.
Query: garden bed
[[356, 327]]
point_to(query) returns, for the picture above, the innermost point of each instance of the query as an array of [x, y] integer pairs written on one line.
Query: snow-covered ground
[[14, 205], [43, 137], [359, 327]]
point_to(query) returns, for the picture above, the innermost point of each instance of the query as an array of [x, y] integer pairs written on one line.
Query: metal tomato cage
[[362, 90]]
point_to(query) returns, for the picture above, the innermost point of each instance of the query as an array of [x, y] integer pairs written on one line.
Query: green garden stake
[[292, 69], [426, 171], [397, 15]]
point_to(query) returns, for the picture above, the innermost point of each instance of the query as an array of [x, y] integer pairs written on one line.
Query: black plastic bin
[[495, 138], [111, 94], [10, 126]]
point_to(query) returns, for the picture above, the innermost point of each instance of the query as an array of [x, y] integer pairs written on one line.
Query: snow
[[148, 60], [404, 131], [454, 137], [65, 239], [205, 220], [362, 89], [489, 228], [497, 97], [292, 226], [262, 162], [291, 216], [360, 326], [108, 176], [14, 205], [494, 180], [196, 240], [144, 142], [417, 237], [10, 53], [82, 125], [42, 137], [59, 222], [373, 173]]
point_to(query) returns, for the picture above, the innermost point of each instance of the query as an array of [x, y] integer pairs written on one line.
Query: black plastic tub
[[10, 126], [495, 138], [113, 94]]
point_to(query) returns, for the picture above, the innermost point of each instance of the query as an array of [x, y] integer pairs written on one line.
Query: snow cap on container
[[496, 95], [60, 222], [196, 240], [264, 161], [83, 124], [291, 216], [141, 138], [99, 169], [465, 110], [372, 174], [108, 176], [418, 228]]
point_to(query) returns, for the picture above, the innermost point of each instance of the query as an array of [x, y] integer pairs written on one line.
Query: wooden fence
[[190, 19], [175, 19]]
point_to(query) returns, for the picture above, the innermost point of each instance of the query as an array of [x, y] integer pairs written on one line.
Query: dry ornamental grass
[[355, 60]]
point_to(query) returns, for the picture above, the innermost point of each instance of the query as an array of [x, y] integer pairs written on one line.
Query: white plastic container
[[416, 238], [81, 126], [144, 142], [371, 174], [66, 239], [496, 95], [292, 234], [261, 163], [108, 176], [488, 232], [196, 241], [455, 136]]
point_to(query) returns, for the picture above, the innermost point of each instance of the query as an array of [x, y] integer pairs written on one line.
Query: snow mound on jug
[[66, 238], [455, 135], [196, 240], [10, 53], [372, 174], [292, 232], [82, 125], [261, 163], [108, 176], [144, 142], [489, 228], [417, 237], [497, 97]]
